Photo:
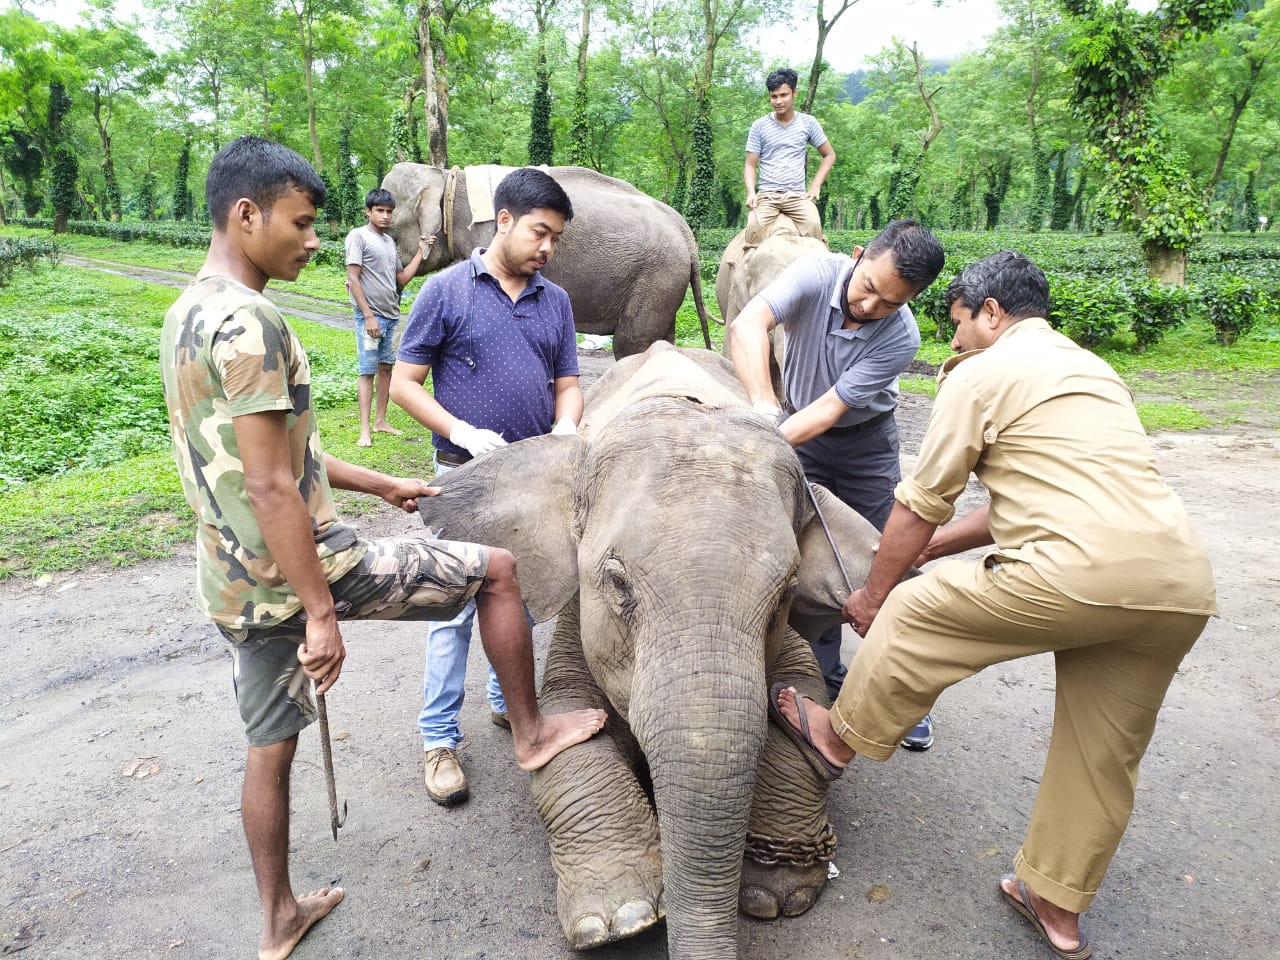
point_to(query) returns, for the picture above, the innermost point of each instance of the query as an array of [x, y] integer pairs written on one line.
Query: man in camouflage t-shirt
[[276, 570]]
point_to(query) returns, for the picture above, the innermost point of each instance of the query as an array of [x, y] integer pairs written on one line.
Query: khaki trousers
[[802, 211], [1113, 668]]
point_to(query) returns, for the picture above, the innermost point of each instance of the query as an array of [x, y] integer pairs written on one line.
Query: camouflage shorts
[[399, 578]]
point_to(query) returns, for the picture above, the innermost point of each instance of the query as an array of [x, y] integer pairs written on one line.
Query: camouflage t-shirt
[[225, 352]]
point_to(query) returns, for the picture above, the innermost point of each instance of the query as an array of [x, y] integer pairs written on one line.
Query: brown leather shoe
[[446, 783], [500, 719]]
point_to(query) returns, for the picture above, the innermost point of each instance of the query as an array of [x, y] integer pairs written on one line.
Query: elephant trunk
[[700, 719]]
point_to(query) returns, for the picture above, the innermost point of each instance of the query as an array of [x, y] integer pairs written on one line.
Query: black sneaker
[[921, 735]]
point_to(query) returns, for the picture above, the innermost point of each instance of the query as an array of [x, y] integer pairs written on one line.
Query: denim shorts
[[373, 352], [399, 578]]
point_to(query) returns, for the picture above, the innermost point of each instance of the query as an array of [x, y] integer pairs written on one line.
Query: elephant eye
[[614, 581]]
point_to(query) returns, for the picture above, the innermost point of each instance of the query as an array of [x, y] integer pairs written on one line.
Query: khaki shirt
[[1053, 433]]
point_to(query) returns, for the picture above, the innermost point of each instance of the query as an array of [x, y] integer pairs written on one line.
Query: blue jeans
[[444, 677]]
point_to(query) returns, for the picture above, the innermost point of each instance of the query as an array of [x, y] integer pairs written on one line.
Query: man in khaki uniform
[[1094, 561]]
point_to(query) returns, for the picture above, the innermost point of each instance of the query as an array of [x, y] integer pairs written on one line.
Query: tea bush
[[25, 253]]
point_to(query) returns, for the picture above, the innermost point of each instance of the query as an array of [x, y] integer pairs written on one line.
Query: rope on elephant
[[791, 851], [450, 190]]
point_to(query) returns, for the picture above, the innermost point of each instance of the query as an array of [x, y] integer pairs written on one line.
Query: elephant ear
[[419, 193], [820, 586], [519, 497]]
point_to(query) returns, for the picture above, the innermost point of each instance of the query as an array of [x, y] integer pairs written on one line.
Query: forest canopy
[[117, 116]]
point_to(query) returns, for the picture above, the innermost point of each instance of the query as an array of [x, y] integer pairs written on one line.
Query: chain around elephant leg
[[792, 851]]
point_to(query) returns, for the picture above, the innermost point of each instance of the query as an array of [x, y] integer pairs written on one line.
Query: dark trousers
[[861, 467]]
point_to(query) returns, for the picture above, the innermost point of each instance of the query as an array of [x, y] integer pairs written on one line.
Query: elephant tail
[[695, 281]]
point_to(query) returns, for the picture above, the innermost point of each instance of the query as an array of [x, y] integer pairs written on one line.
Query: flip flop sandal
[[802, 737], [1023, 906]]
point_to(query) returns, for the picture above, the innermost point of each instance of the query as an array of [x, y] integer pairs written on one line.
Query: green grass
[[1171, 416], [109, 503]]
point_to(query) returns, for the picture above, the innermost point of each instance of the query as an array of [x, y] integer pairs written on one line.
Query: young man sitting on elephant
[[849, 334], [499, 343], [777, 145], [1094, 560], [276, 570]]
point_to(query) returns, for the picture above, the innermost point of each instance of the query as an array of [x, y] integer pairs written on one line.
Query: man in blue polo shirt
[[849, 334], [498, 341]]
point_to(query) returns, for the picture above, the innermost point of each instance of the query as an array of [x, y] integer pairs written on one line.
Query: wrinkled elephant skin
[[743, 273], [625, 260], [674, 536]]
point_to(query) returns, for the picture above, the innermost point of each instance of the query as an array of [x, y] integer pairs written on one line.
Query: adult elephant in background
[[745, 271], [625, 260], [676, 538]]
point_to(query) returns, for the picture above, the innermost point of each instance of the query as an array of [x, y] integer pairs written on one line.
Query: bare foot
[[1060, 927], [553, 733], [825, 741], [312, 908], [364, 441], [387, 428]]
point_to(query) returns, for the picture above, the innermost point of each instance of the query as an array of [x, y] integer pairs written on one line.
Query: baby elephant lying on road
[[677, 540]]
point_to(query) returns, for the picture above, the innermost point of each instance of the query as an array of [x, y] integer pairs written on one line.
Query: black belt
[[875, 421], [452, 459]]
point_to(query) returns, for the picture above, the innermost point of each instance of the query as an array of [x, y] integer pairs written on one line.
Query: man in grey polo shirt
[[777, 146], [849, 334]]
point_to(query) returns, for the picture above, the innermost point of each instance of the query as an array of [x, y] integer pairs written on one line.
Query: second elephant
[[625, 260]]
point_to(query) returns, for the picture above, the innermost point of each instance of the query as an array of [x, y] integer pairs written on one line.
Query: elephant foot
[[784, 876], [769, 892], [631, 918], [605, 911]]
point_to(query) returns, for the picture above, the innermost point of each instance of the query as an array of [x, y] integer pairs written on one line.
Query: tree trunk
[[580, 133], [305, 15], [815, 69], [435, 80], [1167, 265], [113, 203]]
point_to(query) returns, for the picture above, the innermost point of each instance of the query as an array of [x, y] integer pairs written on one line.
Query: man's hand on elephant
[[473, 440], [405, 491], [770, 411], [564, 427], [859, 611]]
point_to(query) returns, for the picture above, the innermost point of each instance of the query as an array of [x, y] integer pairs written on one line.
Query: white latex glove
[[770, 411], [474, 441], [565, 427]]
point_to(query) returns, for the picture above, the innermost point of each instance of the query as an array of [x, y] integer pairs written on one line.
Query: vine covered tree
[[183, 201], [719, 17], [65, 167], [541, 140], [579, 127], [1117, 58], [350, 204]]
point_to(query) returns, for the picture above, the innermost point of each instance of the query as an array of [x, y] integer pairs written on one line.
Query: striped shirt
[[782, 150]]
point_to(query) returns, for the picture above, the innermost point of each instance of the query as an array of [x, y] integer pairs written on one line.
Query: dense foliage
[[25, 253], [661, 94]]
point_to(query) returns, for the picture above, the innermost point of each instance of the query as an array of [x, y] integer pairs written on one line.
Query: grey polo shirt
[[863, 364], [375, 254]]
